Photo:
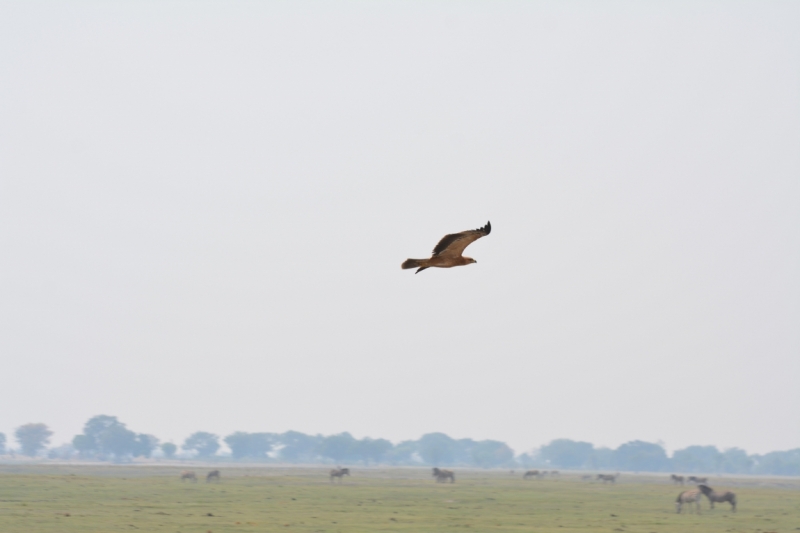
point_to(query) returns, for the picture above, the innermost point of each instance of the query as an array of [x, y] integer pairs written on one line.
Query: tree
[[118, 441], [338, 447], [492, 453], [437, 449], [97, 425], [84, 444], [298, 447], [601, 458], [65, 451], [641, 456], [566, 453], [373, 450], [106, 436], [463, 451], [169, 450], [736, 461], [2, 443], [779, 463], [255, 445], [145, 444], [92, 439], [204, 443], [403, 453], [697, 459], [32, 438], [528, 460]]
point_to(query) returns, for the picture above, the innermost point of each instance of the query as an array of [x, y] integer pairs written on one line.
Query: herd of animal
[[687, 497], [694, 496], [540, 474], [537, 474], [191, 476], [691, 479]]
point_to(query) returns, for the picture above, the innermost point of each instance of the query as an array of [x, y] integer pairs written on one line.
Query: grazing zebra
[[188, 474], [718, 497], [339, 473], [608, 478], [688, 496], [676, 479], [531, 473], [698, 480], [443, 475], [214, 474]]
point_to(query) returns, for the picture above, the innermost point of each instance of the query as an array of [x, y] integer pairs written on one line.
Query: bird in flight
[[448, 252]]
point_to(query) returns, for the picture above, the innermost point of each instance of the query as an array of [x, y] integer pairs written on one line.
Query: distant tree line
[[294, 447], [106, 438], [640, 456]]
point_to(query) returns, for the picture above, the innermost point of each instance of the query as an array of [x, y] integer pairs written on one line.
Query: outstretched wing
[[453, 245]]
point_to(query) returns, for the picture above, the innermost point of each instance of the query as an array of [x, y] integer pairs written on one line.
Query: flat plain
[[88, 499]]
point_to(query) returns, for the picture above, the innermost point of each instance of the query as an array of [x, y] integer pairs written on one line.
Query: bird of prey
[[448, 252]]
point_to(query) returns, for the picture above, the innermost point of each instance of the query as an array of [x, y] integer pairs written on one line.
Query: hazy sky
[[204, 207]]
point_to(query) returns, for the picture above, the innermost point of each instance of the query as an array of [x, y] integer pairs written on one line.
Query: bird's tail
[[415, 263]]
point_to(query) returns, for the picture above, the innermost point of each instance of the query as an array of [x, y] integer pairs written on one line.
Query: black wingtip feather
[[447, 240]]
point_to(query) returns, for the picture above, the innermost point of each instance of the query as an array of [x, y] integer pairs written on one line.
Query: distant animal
[[188, 474], [686, 497], [676, 479], [214, 474], [531, 473], [608, 478], [448, 252], [698, 480], [443, 475], [587, 477], [718, 497], [555, 473], [339, 473]]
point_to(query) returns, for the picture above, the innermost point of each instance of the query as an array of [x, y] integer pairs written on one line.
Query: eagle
[[448, 252]]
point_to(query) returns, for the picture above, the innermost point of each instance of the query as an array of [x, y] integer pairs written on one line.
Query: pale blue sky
[[204, 208]]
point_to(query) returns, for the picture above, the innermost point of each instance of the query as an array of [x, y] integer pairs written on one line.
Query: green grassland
[[104, 499]]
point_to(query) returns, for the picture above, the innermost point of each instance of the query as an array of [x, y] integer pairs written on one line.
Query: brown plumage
[[448, 252]]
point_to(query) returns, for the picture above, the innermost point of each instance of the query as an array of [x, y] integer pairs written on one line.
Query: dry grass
[[103, 499]]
